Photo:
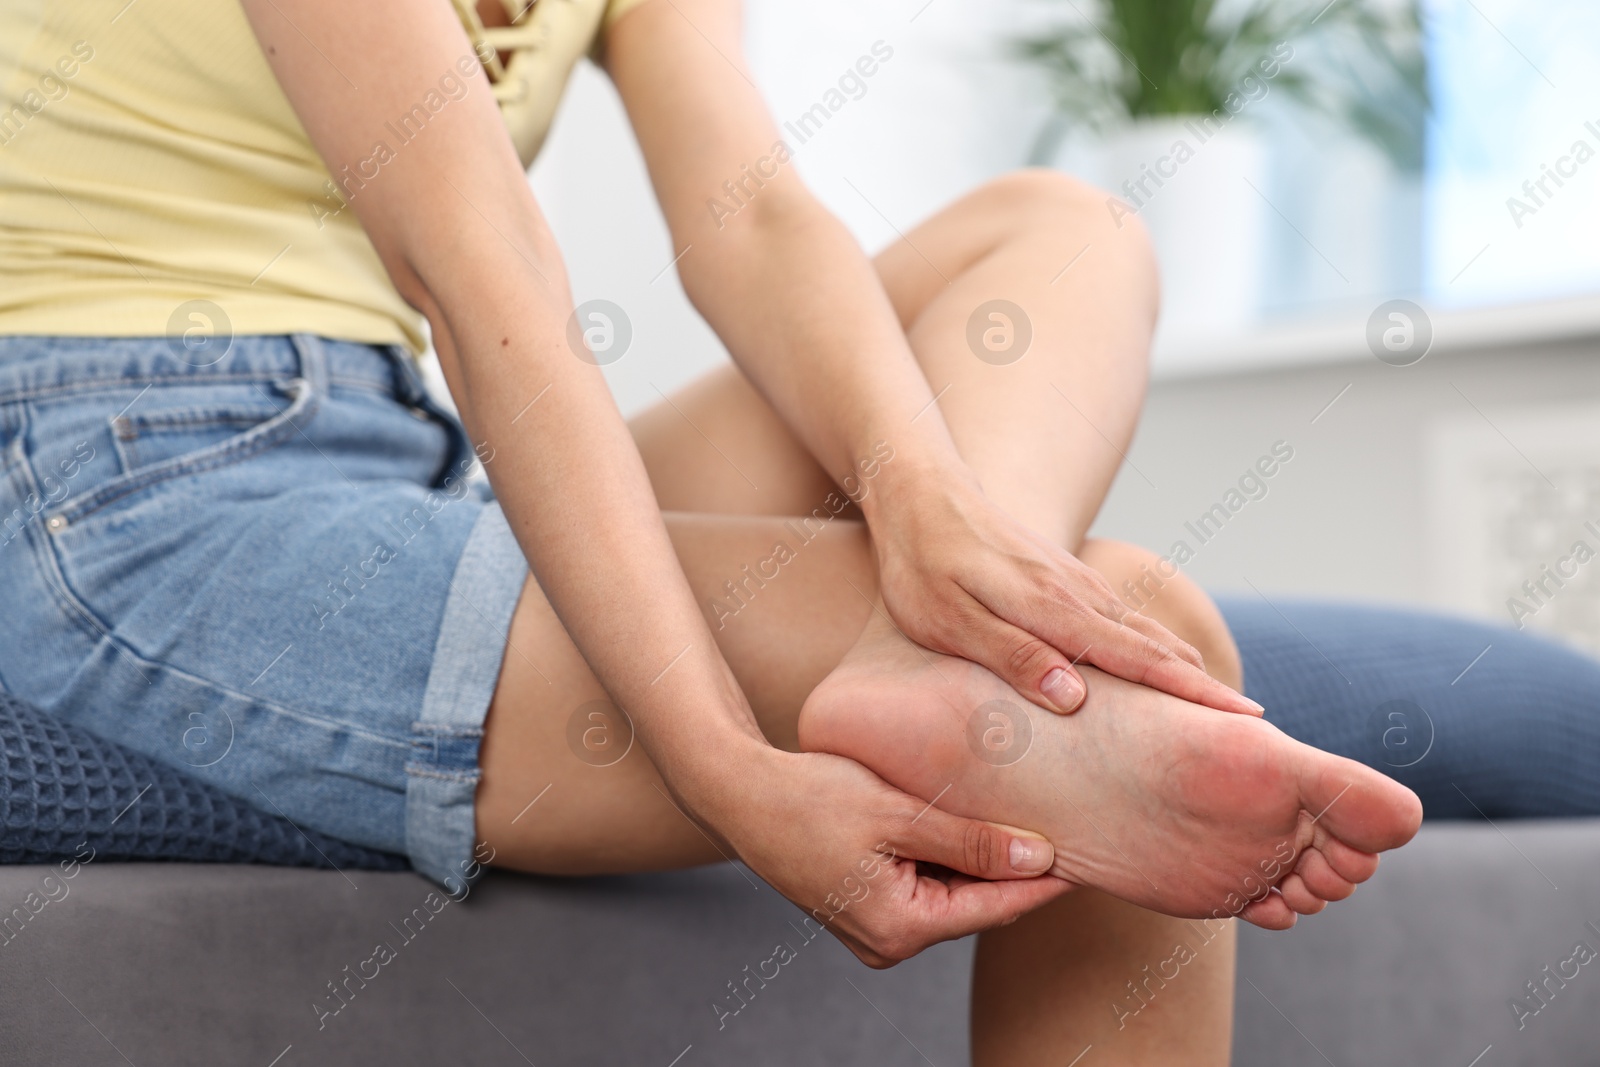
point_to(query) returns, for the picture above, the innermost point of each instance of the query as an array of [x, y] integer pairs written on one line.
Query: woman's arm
[[455, 224], [801, 309]]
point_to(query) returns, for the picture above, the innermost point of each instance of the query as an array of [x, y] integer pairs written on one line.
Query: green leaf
[[1109, 61]]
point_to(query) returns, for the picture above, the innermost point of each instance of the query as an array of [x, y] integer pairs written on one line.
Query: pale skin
[[972, 544]]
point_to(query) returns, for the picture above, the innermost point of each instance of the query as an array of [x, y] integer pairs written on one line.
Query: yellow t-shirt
[[148, 158]]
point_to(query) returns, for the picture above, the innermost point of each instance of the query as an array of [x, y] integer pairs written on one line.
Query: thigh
[[717, 446], [564, 789], [1046, 423]]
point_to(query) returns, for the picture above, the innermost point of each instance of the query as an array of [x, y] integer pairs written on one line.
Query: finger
[[953, 911], [1032, 667], [923, 910], [982, 849], [1108, 604], [1162, 636], [1127, 653]]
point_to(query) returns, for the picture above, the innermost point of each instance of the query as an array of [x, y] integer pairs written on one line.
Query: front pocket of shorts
[[160, 443], [150, 438]]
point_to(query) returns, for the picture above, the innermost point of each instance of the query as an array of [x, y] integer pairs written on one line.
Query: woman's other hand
[[847, 847], [961, 577]]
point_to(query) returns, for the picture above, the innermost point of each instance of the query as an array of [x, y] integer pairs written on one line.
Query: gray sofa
[[183, 965]]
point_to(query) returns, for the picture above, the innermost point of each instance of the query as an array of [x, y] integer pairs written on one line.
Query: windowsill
[[1289, 344]]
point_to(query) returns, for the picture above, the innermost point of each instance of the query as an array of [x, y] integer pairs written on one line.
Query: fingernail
[[1062, 688], [1254, 705], [1029, 855]]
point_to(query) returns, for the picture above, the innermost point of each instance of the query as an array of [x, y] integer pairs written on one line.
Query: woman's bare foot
[[1175, 807]]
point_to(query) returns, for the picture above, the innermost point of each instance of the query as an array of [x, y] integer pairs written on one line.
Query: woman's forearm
[[782, 282], [575, 493], [800, 307]]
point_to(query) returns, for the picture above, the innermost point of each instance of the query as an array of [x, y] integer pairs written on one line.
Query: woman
[[268, 522]]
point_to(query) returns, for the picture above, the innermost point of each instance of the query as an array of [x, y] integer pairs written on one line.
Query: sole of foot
[[1166, 804]]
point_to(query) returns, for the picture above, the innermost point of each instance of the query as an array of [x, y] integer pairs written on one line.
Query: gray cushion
[[185, 965], [65, 793]]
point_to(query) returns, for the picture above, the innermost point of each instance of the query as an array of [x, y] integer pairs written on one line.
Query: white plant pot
[[1191, 185]]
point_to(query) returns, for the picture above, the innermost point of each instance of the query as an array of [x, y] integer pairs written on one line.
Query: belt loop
[[313, 362], [463, 456], [408, 376], [10, 423]]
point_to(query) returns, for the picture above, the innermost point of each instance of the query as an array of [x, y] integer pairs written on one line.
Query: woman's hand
[[844, 845], [802, 311], [961, 577]]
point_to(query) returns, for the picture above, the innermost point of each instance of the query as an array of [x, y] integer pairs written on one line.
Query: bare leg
[[1045, 433], [1049, 465], [1057, 981], [1043, 988], [781, 645], [597, 817]]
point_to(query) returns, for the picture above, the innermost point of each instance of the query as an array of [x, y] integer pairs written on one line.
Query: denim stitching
[[270, 434], [114, 381], [417, 771], [200, 416], [446, 730]]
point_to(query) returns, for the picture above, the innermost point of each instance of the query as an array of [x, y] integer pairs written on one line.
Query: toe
[[1348, 863], [1269, 913], [1320, 878], [1364, 809], [1299, 898]]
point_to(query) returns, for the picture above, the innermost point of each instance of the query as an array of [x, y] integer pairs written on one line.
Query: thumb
[[1032, 667], [990, 851]]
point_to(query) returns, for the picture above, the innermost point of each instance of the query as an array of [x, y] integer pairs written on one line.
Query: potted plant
[[1167, 92]]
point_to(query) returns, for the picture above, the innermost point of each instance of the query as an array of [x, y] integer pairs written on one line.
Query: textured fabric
[[210, 966], [1479, 720], [245, 570], [155, 180], [66, 794]]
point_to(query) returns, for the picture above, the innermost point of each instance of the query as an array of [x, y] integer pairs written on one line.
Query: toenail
[[1062, 688]]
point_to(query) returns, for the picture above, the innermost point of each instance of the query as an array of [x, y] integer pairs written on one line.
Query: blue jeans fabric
[[270, 570], [1481, 721]]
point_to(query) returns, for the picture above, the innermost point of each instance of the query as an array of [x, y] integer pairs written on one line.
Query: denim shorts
[[277, 570]]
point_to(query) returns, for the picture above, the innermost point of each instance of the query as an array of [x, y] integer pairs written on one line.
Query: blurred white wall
[[942, 114], [1430, 484], [1355, 514]]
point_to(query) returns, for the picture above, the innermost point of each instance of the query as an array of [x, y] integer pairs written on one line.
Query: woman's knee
[[1038, 203], [1154, 586], [1038, 196]]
